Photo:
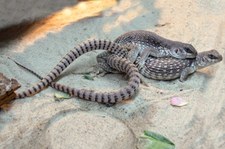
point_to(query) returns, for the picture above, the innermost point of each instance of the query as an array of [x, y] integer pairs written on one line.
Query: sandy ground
[[39, 33]]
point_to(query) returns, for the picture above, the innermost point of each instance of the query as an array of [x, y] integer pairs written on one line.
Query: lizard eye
[[188, 50], [211, 56]]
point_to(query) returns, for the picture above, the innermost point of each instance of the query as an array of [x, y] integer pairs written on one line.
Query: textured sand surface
[[39, 33]]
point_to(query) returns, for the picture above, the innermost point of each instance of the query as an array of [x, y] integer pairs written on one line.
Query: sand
[[39, 33]]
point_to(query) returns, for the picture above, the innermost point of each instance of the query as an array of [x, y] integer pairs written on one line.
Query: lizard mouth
[[191, 54]]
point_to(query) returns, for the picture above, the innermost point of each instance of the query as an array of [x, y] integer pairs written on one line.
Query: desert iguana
[[173, 60], [143, 44], [169, 68]]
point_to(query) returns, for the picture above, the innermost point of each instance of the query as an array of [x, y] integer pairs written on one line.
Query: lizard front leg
[[139, 54], [184, 74]]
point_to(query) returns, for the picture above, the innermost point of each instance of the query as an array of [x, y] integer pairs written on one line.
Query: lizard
[[184, 68], [167, 68], [145, 43]]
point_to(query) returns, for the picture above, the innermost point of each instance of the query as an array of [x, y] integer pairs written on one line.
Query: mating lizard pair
[[154, 56]]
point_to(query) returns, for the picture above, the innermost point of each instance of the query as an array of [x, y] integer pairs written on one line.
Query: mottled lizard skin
[[169, 68], [157, 45], [143, 44]]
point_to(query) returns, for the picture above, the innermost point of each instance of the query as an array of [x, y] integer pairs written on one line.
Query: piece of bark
[[7, 89]]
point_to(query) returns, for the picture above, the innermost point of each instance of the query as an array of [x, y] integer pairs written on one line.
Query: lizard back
[[144, 38], [164, 68]]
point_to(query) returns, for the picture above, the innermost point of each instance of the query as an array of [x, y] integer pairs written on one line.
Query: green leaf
[[88, 77], [60, 95], [158, 137], [157, 141]]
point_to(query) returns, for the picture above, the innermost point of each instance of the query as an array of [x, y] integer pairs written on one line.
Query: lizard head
[[208, 58], [182, 50]]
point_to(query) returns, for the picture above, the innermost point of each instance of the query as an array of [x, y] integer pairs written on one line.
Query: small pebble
[[178, 102]]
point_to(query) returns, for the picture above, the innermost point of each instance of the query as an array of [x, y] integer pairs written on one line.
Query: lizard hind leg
[[185, 73], [103, 65]]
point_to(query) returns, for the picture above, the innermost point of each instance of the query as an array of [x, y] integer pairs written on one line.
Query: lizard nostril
[[176, 50]]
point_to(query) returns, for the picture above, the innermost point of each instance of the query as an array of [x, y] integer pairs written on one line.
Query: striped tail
[[103, 97], [68, 59], [128, 91]]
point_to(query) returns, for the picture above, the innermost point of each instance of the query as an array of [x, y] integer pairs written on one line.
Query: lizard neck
[[194, 65], [199, 62]]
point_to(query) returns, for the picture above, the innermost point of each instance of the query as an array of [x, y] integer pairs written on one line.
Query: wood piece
[[7, 89]]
